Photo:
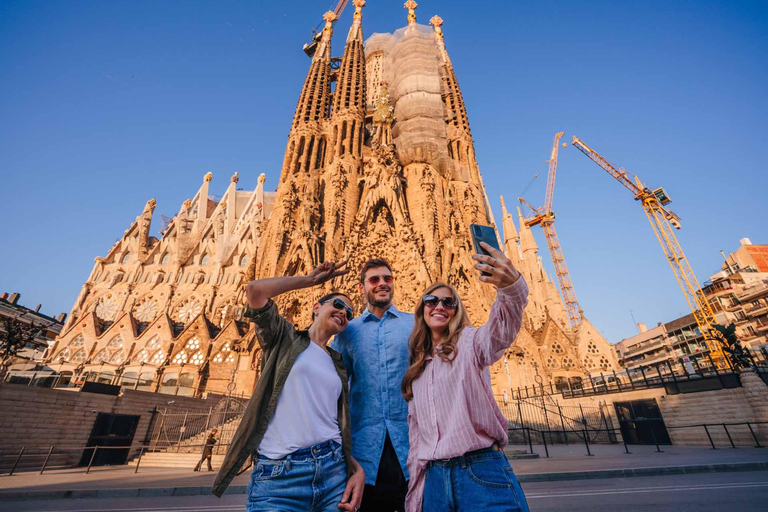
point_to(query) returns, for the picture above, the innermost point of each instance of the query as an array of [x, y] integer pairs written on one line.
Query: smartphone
[[485, 234]]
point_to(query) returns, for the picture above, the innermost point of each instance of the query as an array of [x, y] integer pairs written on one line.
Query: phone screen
[[485, 234]]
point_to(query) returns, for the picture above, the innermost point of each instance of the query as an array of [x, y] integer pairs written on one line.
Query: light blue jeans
[[311, 479], [481, 480]]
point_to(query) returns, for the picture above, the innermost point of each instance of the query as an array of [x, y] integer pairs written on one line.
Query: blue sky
[[104, 105]]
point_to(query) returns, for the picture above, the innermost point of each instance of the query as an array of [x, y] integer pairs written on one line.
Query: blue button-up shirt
[[375, 353]]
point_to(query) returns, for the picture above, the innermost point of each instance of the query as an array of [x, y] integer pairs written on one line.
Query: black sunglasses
[[341, 305], [448, 302]]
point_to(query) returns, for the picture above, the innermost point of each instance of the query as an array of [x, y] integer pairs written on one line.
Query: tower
[[387, 185]]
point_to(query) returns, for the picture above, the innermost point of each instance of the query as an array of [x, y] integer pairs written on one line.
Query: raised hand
[[327, 271], [503, 273]]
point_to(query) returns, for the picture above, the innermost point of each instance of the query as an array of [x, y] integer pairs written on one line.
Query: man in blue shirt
[[375, 351]]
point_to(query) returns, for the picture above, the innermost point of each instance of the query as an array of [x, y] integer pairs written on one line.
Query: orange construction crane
[[545, 218], [662, 221]]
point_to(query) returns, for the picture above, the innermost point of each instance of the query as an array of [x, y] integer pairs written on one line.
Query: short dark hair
[[329, 296], [373, 263]]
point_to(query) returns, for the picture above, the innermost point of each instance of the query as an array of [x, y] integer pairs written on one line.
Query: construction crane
[[662, 221], [311, 46], [545, 218]]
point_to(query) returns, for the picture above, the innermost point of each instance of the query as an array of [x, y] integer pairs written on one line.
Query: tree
[[14, 335], [732, 346]]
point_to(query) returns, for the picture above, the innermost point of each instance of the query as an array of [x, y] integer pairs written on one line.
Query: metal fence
[[676, 377], [185, 432], [541, 417]]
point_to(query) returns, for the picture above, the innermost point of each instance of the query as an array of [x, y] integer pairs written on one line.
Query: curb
[[647, 471], [523, 478]]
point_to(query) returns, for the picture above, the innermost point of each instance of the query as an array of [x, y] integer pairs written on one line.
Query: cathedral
[[379, 162]]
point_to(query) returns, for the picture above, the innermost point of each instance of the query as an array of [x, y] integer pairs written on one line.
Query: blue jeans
[[311, 479], [481, 480]]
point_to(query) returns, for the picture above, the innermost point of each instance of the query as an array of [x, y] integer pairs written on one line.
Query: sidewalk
[[565, 463]]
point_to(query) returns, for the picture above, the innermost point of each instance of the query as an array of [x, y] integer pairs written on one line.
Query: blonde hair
[[421, 344]]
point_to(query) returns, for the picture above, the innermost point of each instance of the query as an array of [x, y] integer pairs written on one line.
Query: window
[[193, 344], [169, 383], [77, 342], [129, 380], [116, 342], [145, 381], [158, 358], [126, 258], [186, 383], [244, 260], [117, 357], [101, 357], [180, 358], [105, 377], [153, 343], [141, 357], [197, 358], [204, 259], [164, 259]]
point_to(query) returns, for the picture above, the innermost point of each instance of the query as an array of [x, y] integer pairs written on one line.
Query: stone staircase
[[176, 460], [187, 452]]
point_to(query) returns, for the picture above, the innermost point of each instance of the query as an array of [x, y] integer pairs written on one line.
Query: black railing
[[535, 436], [44, 454], [677, 376]]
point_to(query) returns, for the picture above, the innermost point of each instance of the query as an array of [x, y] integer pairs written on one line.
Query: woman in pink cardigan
[[456, 430]]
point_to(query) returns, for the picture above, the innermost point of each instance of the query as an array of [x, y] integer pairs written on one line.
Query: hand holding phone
[[485, 234], [496, 268]]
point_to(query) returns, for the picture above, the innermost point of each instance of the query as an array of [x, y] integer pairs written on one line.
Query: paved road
[[743, 492]]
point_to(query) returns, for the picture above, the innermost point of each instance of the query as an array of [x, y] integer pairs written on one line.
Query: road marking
[[165, 509], [599, 492], [530, 496]]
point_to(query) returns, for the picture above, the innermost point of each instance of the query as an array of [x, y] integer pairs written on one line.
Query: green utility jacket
[[281, 344]]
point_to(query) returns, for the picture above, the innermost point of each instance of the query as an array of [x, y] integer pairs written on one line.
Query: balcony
[[754, 292], [757, 310], [643, 347]]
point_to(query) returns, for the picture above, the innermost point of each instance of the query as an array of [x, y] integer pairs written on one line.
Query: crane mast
[[545, 218], [663, 221]]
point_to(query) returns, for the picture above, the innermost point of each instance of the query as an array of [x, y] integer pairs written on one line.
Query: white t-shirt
[[307, 408]]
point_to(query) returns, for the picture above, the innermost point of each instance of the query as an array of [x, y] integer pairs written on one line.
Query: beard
[[379, 303]]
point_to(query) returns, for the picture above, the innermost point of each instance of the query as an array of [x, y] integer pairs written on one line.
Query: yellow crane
[[545, 218], [662, 221]]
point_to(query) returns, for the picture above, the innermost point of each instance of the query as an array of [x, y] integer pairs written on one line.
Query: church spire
[[356, 31], [411, 6], [510, 232], [144, 221], [349, 97], [527, 242], [313, 102], [305, 149]]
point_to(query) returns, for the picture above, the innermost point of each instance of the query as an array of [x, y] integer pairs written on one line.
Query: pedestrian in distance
[[456, 429], [375, 351], [296, 427], [208, 451]]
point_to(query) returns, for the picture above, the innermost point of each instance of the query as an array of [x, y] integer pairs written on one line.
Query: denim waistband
[[316, 451], [483, 453]]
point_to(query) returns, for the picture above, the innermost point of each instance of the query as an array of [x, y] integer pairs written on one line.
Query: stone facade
[[379, 162], [38, 418], [748, 403]]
